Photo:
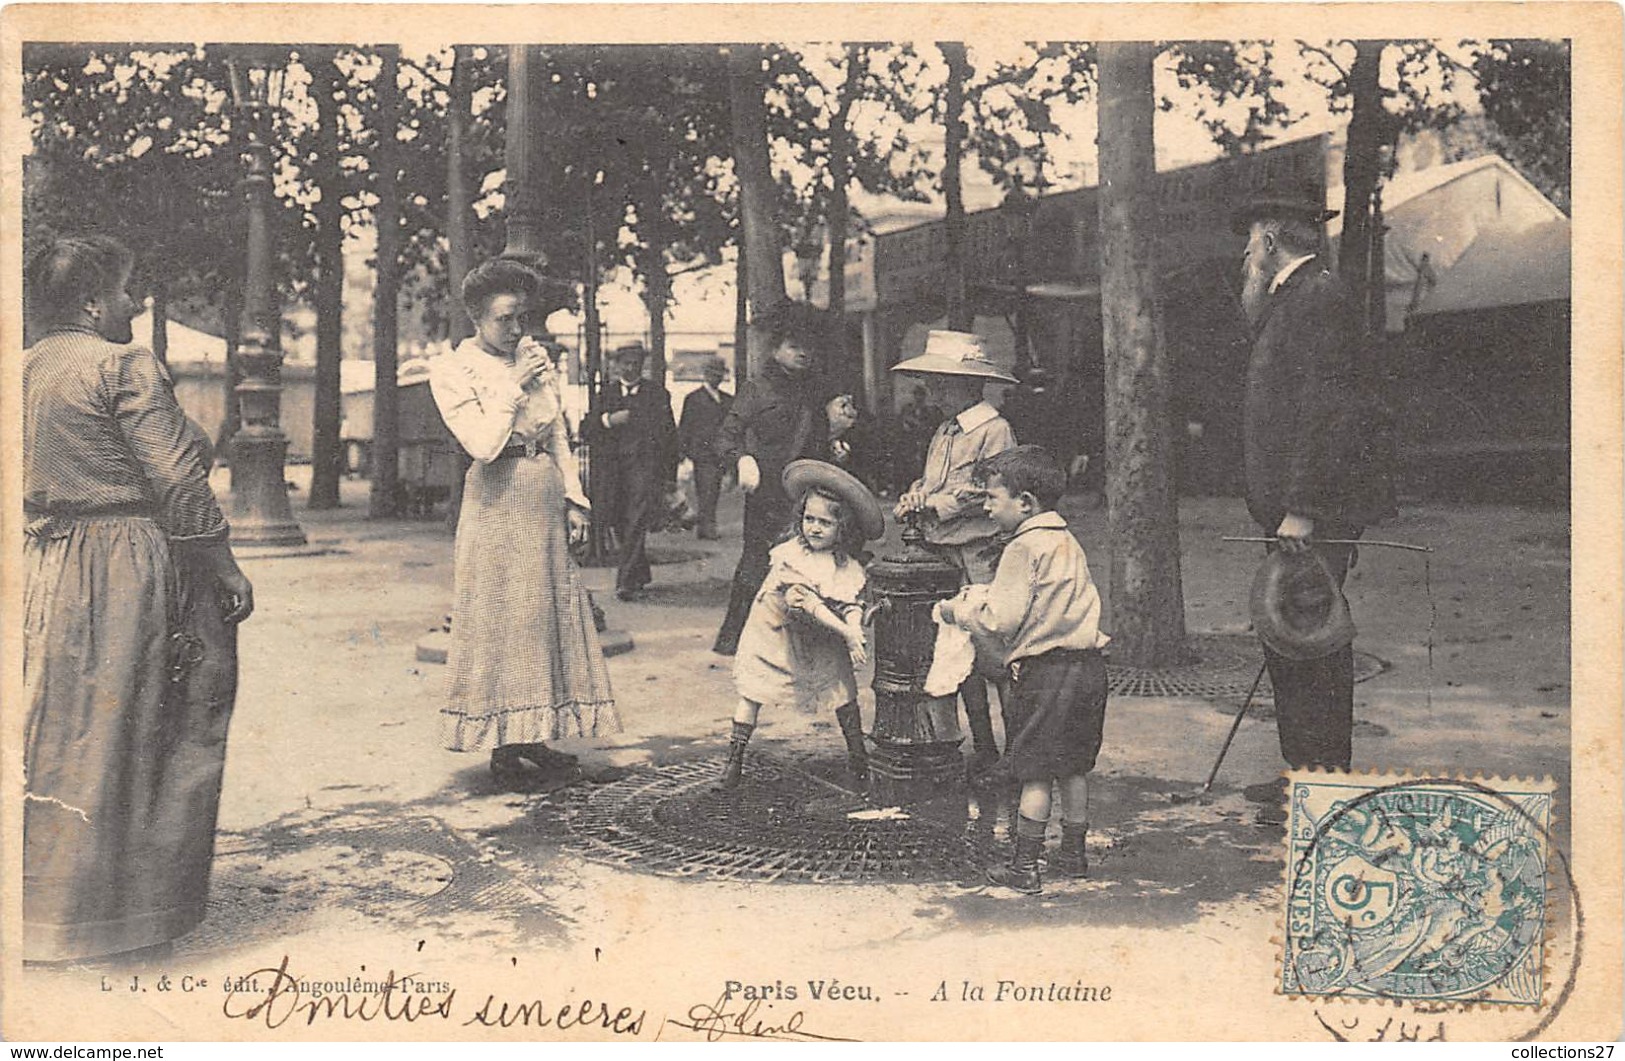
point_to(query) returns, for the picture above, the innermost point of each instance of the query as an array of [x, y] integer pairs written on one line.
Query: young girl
[[805, 630]]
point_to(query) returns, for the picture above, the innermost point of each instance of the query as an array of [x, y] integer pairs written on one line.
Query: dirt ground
[[348, 834]]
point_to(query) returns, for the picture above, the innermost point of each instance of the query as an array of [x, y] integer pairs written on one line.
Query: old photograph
[[709, 523]]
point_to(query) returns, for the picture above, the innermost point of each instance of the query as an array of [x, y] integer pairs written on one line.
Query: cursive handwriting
[[717, 1021], [284, 1000], [289, 998]]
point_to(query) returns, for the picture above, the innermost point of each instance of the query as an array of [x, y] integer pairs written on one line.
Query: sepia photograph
[[841, 522]]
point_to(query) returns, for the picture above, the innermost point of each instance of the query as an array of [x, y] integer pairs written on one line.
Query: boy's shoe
[[1072, 858], [1022, 873]]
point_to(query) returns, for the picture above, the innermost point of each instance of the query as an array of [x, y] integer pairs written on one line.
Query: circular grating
[[781, 824], [1222, 666]]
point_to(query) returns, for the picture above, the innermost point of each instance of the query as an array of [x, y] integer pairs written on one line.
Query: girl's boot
[[857, 755], [735, 766], [1022, 872], [1072, 860]]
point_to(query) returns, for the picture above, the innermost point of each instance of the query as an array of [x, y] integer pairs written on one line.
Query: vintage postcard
[[811, 523]]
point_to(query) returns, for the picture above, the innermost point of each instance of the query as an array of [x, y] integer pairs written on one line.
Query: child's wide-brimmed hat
[[1298, 609], [802, 475], [955, 354]]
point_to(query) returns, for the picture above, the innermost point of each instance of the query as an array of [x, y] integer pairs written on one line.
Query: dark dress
[[632, 464], [129, 669], [776, 418], [697, 432]]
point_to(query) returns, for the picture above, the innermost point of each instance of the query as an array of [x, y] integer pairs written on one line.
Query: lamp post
[[1020, 208], [261, 514]]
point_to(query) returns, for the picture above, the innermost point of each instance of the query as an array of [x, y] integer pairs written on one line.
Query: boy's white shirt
[[1029, 583]]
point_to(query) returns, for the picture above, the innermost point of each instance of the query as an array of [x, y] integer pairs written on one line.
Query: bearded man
[[1317, 460]]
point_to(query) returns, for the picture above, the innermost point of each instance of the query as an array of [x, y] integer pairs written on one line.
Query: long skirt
[[525, 665], [130, 675]]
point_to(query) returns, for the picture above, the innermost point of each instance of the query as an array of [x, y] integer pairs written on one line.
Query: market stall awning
[[1505, 267]]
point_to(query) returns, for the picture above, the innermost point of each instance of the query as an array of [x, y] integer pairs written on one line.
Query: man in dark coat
[[777, 417], [697, 430], [1317, 465], [634, 461]]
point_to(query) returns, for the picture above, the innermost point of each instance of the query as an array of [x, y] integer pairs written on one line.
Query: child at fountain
[[955, 369], [805, 630], [1044, 608]]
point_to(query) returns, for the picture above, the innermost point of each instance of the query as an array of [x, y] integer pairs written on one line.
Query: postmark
[[1426, 890]]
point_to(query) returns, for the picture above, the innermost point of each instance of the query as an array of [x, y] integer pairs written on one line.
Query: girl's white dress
[[786, 658], [525, 664]]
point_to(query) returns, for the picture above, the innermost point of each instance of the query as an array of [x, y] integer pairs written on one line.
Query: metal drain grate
[[781, 824], [1222, 667]]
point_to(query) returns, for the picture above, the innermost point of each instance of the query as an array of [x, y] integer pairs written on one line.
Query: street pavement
[[346, 829]]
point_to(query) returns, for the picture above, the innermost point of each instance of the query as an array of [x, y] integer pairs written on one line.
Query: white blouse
[[480, 399]]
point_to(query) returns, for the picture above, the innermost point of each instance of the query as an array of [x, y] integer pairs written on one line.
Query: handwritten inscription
[[276, 997], [730, 1018]]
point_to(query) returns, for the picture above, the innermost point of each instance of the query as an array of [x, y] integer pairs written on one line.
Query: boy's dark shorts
[[1057, 712]]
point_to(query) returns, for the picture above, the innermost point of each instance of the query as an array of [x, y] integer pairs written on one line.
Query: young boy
[[1043, 606], [955, 369]]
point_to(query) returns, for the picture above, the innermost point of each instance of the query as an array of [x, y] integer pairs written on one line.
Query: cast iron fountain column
[[916, 737]]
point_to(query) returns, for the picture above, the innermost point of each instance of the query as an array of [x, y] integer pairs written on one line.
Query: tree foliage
[[1525, 87]]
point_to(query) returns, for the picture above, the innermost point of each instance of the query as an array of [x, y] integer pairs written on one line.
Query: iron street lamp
[[261, 514]]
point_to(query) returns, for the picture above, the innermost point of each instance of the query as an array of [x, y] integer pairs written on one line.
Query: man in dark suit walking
[[703, 413], [1317, 457], [634, 460]]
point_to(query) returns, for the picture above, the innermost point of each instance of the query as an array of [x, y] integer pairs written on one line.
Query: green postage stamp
[[1417, 889]]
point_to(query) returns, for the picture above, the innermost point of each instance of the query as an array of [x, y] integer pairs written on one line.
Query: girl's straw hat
[[954, 354], [802, 475]]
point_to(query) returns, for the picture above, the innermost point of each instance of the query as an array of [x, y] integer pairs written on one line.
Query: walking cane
[[1207, 786]]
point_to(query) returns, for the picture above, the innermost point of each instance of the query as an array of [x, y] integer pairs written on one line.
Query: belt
[[526, 449]]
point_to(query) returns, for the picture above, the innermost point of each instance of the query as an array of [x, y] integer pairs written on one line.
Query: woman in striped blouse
[[132, 599]]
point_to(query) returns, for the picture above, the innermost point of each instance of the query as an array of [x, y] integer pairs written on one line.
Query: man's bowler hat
[[1274, 202], [1298, 609]]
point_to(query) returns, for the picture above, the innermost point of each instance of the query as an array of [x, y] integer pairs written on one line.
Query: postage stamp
[[1419, 890]]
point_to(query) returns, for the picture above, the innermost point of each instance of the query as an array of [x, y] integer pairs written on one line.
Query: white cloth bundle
[[954, 655]]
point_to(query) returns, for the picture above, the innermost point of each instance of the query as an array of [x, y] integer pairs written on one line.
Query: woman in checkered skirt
[[525, 665]]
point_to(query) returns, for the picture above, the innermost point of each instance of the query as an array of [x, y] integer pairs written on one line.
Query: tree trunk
[[961, 316], [459, 253], [741, 365], [589, 300], [655, 236], [160, 320], [232, 325], [757, 192], [840, 173], [326, 449], [385, 500], [1148, 609], [1362, 163]]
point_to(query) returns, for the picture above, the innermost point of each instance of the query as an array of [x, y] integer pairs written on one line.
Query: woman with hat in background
[[131, 602], [804, 635], [777, 417], [955, 368]]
